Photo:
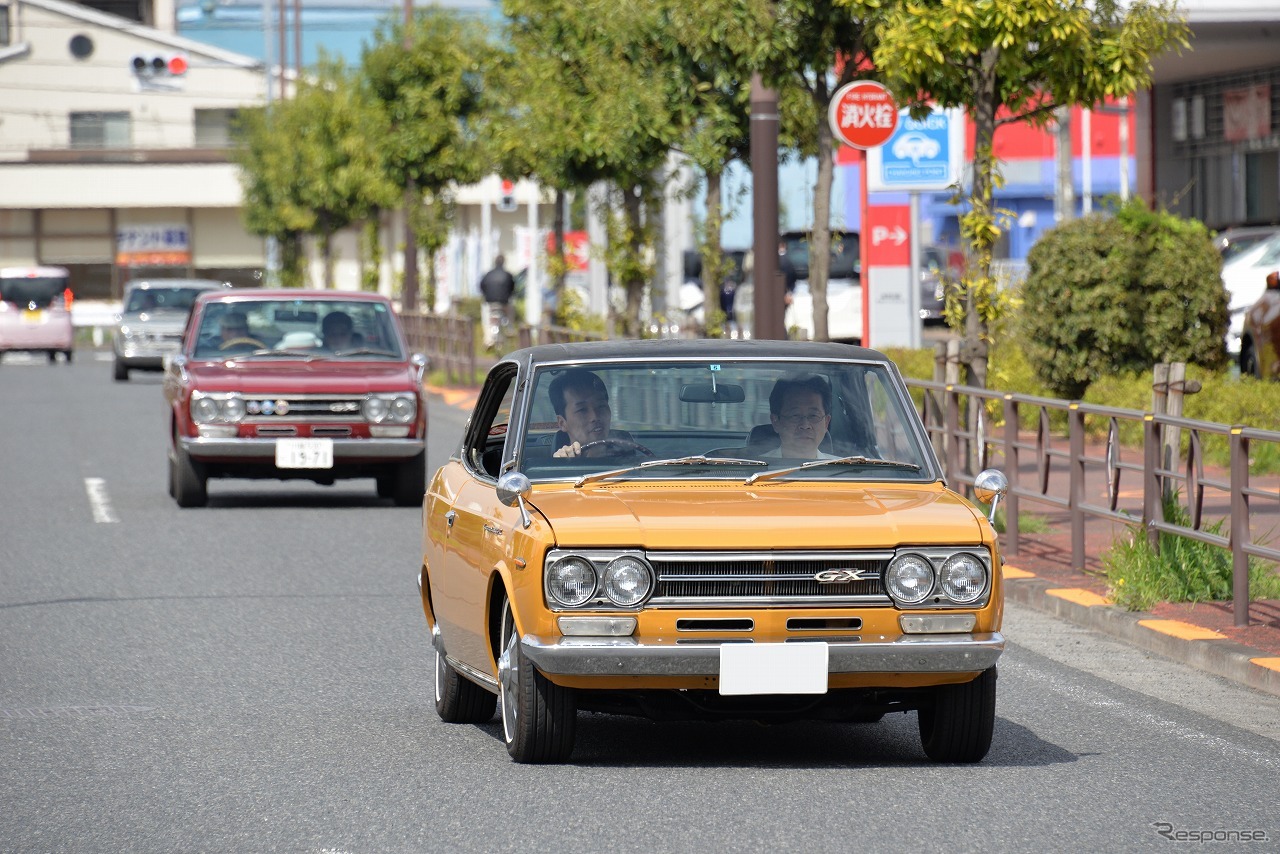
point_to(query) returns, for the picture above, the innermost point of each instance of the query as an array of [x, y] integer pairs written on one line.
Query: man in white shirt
[[800, 409]]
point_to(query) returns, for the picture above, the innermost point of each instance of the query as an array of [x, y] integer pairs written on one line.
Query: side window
[[487, 435]]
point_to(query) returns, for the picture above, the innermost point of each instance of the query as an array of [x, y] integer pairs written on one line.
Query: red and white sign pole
[[863, 115]]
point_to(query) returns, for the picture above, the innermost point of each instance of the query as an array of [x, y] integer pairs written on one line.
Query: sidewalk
[[1040, 575]]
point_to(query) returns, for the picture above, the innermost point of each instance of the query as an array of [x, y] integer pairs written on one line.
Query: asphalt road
[[255, 676]]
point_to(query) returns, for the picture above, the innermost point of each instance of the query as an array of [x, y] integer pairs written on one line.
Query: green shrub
[[1182, 570], [1107, 294]]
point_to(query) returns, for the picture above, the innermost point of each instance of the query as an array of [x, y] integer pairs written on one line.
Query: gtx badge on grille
[[844, 576]]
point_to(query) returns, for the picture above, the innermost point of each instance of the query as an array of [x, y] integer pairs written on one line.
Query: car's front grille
[[732, 579], [262, 408]]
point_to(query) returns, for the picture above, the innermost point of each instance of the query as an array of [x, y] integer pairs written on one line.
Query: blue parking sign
[[922, 155]]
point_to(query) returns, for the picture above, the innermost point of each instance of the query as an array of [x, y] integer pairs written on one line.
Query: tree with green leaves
[[311, 165], [593, 97], [1010, 61], [809, 50], [429, 81]]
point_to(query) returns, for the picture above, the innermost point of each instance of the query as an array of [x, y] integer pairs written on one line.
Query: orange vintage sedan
[[706, 530]]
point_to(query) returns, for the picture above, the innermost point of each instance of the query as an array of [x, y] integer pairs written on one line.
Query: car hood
[[297, 376], [767, 515], [156, 321]]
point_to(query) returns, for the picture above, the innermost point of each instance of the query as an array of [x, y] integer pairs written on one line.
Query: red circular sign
[[863, 114]]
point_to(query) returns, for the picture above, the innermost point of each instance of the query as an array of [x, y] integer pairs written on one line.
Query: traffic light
[[158, 68], [507, 201]]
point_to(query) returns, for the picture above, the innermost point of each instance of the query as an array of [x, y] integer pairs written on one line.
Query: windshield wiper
[[302, 354], [362, 351], [847, 461], [697, 460]]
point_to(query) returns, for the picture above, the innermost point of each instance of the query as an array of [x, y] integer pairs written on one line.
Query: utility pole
[[1064, 199], [409, 298], [767, 307]]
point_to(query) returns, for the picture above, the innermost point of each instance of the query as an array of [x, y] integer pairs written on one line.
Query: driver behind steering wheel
[[233, 332], [581, 403]]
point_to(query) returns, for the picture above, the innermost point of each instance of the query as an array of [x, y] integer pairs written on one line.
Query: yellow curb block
[[455, 396], [1079, 596], [1269, 663], [1014, 572], [1179, 629]]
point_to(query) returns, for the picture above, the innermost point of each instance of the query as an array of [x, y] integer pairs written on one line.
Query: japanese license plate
[[33, 316], [773, 668], [304, 453]]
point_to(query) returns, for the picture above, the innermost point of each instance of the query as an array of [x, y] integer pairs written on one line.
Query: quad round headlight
[[204, 409], [963, 578], [571, 581], [375, 409], [404, 409], [232, 409], [627, 580], [909, 579]]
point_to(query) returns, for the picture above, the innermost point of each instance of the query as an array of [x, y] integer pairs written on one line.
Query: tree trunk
[[633, 204], [713, 265], [557, 244], [326, 252], [820, 240], [978, 248]]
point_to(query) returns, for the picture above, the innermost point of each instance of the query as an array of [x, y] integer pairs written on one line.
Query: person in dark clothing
[[498, 285]]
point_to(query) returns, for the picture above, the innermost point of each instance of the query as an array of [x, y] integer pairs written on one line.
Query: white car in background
[[1245, 278]]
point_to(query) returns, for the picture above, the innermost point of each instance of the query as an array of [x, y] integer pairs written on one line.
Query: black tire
[[66, 354], [386, 486], [409, 483], [538, 716], [188, 483], [53, 356], [121, 371], [459, 700], [957, 726]]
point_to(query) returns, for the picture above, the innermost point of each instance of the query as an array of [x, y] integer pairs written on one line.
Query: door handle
[[493, 529], [450, 517]]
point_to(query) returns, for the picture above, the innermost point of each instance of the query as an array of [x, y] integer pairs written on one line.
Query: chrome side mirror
[[989, 487], [421, 362], [513, 489]]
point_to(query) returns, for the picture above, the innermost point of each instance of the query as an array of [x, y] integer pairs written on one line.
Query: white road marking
[[96, 487]]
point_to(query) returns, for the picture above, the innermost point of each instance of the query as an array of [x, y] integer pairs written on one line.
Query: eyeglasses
[[796, 420]]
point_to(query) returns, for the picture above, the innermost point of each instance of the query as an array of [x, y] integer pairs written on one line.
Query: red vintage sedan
[[289, 384]]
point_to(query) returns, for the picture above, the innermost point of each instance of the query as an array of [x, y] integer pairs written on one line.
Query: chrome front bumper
[[264, 449], [598, 656]]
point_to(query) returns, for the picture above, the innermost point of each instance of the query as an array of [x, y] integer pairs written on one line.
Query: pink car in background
[[35, 311]]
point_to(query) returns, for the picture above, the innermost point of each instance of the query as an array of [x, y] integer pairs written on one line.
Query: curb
[[1191, 645]]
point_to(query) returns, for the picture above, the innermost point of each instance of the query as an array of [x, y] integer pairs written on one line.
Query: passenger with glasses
[[800, 407]]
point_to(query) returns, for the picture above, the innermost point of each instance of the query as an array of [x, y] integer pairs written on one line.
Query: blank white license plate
[[773, 668], [304, 453]]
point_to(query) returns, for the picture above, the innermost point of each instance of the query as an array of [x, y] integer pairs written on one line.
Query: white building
[[114, 170]]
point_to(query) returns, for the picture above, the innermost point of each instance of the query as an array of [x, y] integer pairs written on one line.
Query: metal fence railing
[[1107, 449]]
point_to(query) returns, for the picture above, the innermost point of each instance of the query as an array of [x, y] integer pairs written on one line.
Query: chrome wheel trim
[[440, 665], [508, 676]]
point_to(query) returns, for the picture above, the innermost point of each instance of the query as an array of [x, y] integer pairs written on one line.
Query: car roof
[[145, 284], [37, 272], [700, 348], [263, 294]]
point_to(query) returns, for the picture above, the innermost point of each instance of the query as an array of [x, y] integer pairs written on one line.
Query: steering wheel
[[242, 342], [624, 446]]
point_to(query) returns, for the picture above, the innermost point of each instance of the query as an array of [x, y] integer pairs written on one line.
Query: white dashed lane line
[[99, 501]]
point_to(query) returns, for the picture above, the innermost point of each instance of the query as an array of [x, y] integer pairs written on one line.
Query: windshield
[[731, 419], [161, 299], [39, 291], [293, 328]]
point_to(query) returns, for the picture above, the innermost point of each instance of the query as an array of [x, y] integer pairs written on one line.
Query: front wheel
[[538, 716], [957, 725], [459, 700], [121, 371], [188, 483], [408, 484]]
